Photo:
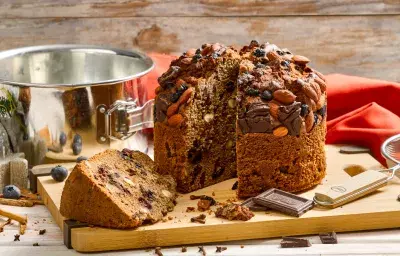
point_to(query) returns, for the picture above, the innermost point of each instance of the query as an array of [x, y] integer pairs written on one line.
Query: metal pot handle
[[129, 118]]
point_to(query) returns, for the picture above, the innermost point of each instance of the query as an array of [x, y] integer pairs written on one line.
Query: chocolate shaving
[[199, 219], [42, 231], [16, 237], [290, 117]]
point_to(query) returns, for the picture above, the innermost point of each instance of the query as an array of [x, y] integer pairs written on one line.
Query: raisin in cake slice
[[117, 190]]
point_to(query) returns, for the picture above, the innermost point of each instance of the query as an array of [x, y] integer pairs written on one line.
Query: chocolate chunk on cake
[[258, 113], [195, 113], [117, 189]]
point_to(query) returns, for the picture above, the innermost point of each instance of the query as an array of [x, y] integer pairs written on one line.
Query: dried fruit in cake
[[117, 189], [59, 173]]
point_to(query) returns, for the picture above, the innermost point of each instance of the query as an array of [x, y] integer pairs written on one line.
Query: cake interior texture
[[258, 112], [117, 189]]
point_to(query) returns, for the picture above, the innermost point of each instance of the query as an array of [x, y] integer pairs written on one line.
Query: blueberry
[[63, 139], [59, 173], [11, 192], [175, 97], [259, 53], [252, 92], [266, 95], [81, 158], [304, 110], [77, 139], [230, 86], [76, 148]]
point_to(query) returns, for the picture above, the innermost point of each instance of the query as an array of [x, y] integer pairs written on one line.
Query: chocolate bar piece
[[253, 206], [284, 202], [292, 242], [328, 238]]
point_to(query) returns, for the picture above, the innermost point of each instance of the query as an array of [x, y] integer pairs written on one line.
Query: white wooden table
[[385, 242]]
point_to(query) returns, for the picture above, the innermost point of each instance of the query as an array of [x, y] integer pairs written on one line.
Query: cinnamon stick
[[16, 217], [20, 202]]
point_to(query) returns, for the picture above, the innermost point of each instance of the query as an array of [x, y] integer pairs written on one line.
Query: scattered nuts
[[208, 117], [232, 103], [280, 131], [175, 120], [273, 109], [284, 96], [300, 59], [173, 109]]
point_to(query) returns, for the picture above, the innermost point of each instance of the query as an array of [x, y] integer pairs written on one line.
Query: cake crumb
[[184, 249], [42, 231], [170, 217], [164, 220], [190, 209], [199, 219], [35, 244], [234, 212], [213, 193], [242, 246], [203, 205]]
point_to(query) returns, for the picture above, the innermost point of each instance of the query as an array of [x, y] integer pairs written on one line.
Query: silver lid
[[53, 66]]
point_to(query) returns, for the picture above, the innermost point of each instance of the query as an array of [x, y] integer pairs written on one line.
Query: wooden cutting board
[[376, 211]]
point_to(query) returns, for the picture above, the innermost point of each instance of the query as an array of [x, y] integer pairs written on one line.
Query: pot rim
[[68, 47]]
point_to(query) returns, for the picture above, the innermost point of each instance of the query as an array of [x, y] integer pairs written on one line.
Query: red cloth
[[361, 111]]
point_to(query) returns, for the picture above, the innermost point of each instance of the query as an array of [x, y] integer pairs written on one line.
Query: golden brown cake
[[117, 189], [281, 122], [195, 113], [263, 102]]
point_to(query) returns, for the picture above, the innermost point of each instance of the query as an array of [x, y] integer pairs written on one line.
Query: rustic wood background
[[358, 37]]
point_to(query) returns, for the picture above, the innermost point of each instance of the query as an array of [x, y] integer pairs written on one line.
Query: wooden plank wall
[[358, 37]]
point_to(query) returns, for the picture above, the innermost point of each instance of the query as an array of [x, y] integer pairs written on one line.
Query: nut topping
[[300, 59], [280, 131], [284, 96]]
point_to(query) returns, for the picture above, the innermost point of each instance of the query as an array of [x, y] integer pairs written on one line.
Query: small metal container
[[96, 92]]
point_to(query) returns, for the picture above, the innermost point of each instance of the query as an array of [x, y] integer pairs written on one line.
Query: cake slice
[[195, 113], [117, 189]]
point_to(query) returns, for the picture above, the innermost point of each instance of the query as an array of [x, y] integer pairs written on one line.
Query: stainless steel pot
[[96, 92]]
